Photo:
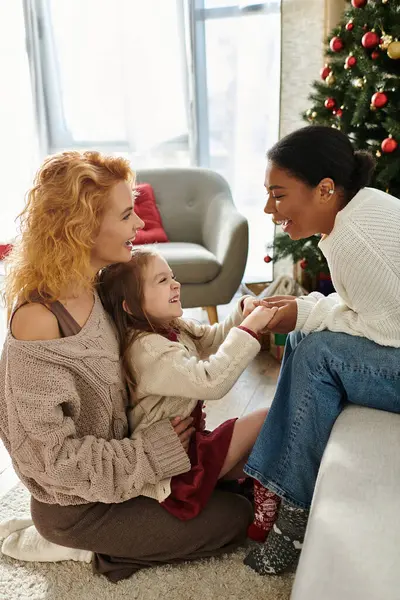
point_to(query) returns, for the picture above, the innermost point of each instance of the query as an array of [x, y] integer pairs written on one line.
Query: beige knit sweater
[[173, 376], [63, 420]]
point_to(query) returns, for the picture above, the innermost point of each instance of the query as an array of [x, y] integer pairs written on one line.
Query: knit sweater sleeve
[[168, 369], [211, 336], [368, 289], [43, 404]]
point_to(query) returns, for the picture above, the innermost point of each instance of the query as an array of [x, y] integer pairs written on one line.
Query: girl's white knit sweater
[[174, 375]]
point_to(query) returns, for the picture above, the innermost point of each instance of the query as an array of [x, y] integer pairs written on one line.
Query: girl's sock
[[266, 505], [284, 543]]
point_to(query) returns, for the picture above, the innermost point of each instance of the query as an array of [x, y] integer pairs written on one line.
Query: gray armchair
[[208, 237]]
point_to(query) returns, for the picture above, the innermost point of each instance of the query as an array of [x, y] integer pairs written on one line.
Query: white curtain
[[121, 70], [18, 141]]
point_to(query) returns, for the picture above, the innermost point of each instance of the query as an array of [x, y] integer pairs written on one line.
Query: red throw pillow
[[146, 209], [4, 250]]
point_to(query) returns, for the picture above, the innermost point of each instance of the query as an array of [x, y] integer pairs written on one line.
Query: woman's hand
[[284, 320], [183, 430], [202, 424]]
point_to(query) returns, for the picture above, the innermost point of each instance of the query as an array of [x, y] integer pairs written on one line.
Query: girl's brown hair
[[59, 224], [124, 282]]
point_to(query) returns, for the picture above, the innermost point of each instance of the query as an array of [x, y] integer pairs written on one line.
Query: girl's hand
[[249, 304], [258, 320], [183, 430]]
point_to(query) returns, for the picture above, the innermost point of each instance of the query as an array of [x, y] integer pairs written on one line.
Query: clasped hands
[[282, 320], [285, 318]]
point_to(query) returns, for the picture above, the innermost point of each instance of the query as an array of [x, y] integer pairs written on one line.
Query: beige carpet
[[224, 578]]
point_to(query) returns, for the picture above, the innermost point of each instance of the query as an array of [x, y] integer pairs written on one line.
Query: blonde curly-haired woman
[[62, 396]]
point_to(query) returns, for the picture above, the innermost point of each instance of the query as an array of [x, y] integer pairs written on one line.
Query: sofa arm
[[225, 231], [351, 545]]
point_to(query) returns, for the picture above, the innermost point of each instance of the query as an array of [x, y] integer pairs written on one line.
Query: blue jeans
[[321, 373]]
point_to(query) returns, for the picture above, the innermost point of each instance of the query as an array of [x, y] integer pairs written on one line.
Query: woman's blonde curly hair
[[59, 225]]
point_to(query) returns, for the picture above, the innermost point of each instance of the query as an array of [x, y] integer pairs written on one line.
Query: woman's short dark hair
[[315, 152]]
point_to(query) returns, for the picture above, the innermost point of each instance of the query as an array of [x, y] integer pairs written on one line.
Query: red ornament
[[379, 100], [389, 145], [303, 263], [330, 103], [370, 39], [351, 61], [336, 44], [375, 55], [350, 26], [267, 259], [339, 113], [325, 71], [359, 3]]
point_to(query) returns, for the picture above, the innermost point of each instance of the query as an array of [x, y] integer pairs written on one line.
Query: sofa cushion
[[191, 263], [146, 209]]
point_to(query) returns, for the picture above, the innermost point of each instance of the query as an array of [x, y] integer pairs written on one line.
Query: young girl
[[316, 183], [172, 366]]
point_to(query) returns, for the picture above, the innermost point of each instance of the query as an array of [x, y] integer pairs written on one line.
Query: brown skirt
[[140, 533]]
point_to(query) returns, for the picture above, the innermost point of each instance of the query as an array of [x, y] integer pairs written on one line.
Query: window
[[115, 77], [237, 54], [168, 83], [19, 150]]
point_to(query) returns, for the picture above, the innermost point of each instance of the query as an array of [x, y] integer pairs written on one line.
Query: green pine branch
[[353, 88]]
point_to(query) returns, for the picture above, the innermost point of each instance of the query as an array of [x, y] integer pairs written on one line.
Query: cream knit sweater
[[173, 376], [363, 254], [63, 420]]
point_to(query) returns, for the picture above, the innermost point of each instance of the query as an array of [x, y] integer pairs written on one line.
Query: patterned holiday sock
[[266, 506], [284, 543]]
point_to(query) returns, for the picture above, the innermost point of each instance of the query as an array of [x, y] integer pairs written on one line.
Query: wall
[[305, 25]]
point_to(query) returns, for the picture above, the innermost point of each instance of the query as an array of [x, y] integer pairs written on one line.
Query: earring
[[331, 192]]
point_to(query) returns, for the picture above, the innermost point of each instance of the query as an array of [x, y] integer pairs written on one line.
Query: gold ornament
[[378, 153], [385, 1], [386, 41], [393, 50], [358, 82], [330, 80], [314, 114]]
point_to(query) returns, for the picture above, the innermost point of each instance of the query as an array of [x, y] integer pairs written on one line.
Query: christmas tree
[[360, 95]]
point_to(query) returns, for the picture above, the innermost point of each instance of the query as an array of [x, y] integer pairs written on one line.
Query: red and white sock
[[266, 506]]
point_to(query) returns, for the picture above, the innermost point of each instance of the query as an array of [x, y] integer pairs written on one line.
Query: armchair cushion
[[146, 209], [191, 263]]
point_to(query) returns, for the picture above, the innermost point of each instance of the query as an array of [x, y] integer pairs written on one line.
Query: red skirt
[[191, 491]]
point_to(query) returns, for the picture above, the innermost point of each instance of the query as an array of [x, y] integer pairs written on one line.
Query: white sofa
[[352, 545]]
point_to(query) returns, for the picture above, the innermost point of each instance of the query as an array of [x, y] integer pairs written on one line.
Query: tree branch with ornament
[[359, 91]]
